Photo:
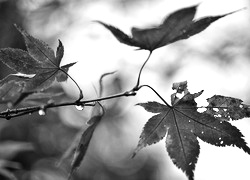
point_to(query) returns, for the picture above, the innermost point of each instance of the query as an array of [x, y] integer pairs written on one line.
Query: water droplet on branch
[[79, 107], [41, 112]]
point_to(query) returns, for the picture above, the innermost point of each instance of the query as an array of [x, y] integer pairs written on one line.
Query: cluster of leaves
[[37, 68]]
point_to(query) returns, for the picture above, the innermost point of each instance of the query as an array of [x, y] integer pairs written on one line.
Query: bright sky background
[[98, 52]]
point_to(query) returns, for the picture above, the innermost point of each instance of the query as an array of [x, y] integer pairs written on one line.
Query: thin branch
[[139, 76], [10, 113]]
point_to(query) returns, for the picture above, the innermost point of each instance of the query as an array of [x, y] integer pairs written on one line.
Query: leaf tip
[[60, 43], [18, 28], [133, 155], [99, 22]]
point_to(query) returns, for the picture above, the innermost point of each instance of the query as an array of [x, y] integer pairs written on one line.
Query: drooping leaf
[[177, 26], [227, 108], [183, 124], [86, 136]]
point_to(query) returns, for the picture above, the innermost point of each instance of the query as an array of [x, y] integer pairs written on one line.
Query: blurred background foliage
[[31, 146]]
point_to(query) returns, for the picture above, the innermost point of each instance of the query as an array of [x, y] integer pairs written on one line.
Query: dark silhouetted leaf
[[120, 36], [177, 26], [183, 124]]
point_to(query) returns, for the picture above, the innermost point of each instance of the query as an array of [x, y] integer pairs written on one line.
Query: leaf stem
[[101, 80], [139, 76], [80, 90], [165, 102]]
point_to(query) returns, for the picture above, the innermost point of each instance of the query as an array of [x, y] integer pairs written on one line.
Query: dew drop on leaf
[[79, 107], [41, 112]]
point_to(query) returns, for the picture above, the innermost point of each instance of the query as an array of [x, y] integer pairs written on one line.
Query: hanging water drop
[[79, 107], [221, 142], [41, 112]]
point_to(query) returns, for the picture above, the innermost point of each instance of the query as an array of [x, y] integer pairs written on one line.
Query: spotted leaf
[[181, 123]]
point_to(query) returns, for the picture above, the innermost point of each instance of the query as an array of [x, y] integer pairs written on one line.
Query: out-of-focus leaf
[[49, 95], [183, 124], [86, 136], [82, 139], [11, 87], [8, 149], [120, 36], [177, 26], [4, 165], [227, 108]]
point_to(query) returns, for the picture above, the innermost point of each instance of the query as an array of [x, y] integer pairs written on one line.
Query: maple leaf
[[183, 124], [39, 61], [49, 68], [177, 26]]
